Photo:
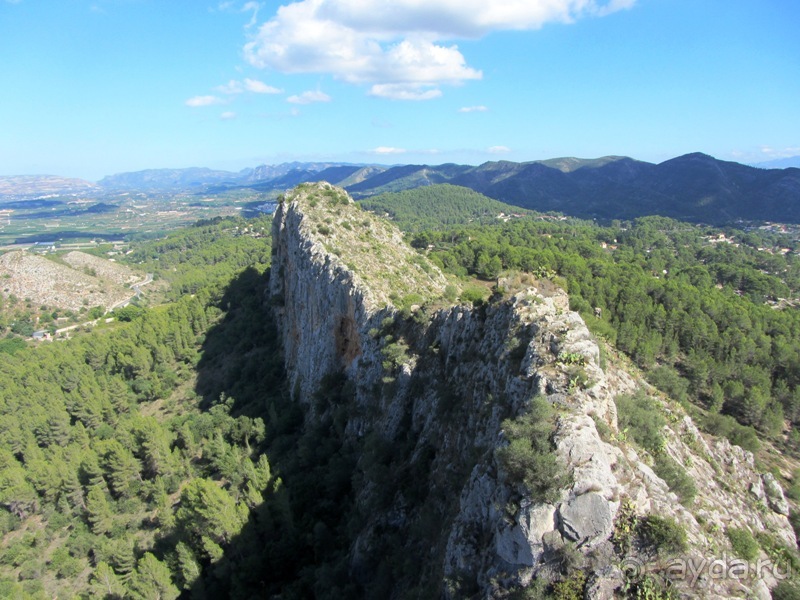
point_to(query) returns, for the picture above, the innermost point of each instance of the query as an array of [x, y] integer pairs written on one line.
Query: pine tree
[[105, 583], [152, 580], [123, 559], [208, 513], [123, 469], [188, 567], [98, 510]]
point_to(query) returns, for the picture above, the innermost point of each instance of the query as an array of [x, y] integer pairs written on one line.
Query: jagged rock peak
[[370, 248]]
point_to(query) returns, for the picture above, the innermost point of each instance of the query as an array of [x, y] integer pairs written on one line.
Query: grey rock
[[586, 519], [774, 492], [603, 584]]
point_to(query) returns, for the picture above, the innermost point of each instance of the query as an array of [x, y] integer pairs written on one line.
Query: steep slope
[[452, 405]]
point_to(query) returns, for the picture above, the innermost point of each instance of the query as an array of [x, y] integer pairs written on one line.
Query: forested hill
[[710, 315], [694, 187]]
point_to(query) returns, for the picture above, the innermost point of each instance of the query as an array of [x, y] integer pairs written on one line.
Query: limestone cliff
[[432, 383]]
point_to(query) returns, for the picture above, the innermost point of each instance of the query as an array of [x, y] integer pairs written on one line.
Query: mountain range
[[694, 187]]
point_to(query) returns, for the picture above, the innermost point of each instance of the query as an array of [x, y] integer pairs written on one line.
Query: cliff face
[[433, 384]]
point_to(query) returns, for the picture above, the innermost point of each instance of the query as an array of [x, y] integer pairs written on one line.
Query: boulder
[[586, 519], [775, 497]]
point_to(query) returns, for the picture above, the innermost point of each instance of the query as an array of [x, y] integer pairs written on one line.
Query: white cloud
[[204, 101], [251, 6], [230, 7], [469, 109], [248, 85], [232, 87], [780, 152], [259, 87], [398, 47], [227, 115], [387, 150], [404, 91], [309, 97], [498, 149]]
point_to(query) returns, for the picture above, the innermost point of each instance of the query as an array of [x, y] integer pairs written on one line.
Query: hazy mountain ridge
[[779, 163], [694, 187]]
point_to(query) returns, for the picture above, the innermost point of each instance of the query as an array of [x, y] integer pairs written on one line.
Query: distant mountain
[[263, 177], [165, 180], [694, 187], [266, 173], [28, 186], [780, 163]]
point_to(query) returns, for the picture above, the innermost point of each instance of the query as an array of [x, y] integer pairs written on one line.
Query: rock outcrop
[[434, 381]]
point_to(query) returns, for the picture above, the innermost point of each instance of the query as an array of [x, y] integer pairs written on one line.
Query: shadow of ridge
[[294, 543], [304, 538]]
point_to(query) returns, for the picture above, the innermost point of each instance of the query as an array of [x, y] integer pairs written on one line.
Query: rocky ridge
[[434, 384]]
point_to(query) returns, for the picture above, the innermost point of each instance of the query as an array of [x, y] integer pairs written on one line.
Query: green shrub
[[570, 588], [786, 558], [529, 459], [474, 294], [675, 477], [726, 426], [572, 358], [786, 590], [644, 420], [663, 534], [394, 355], [578, 378], [744, 544], [670, 382], [625, 526]]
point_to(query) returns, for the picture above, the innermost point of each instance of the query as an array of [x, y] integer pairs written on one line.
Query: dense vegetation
[[708, 321], [126, 463], [438, 206]]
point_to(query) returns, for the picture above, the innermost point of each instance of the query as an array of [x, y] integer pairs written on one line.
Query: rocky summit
[[491, 455]]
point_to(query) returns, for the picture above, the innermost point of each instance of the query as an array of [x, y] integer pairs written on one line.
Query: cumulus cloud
[[309, 97], [401, 48], [469, 109], [498, 149], [387, 150], [204, 101]]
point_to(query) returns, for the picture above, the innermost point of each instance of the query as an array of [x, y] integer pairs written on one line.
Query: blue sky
[[95, 87]]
